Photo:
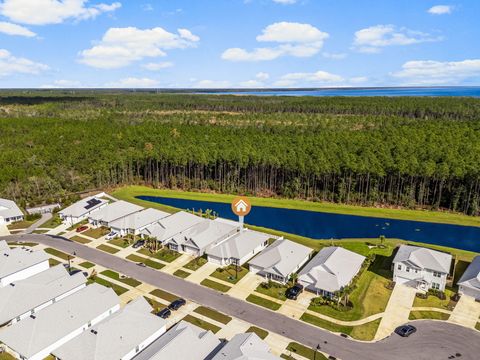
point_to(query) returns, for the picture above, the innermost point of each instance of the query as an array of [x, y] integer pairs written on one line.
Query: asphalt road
[[433, 340]]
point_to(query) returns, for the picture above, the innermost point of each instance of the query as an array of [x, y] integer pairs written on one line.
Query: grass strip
[[58, 254], [107, 249], [257, 300], [202, 324], [116, 276], [262, 334], [119, 290], [433, 315], [213, 314], [80, 239], [181, 274], [215, 285], [150, 263], [162, 294], [87, 264], [304, 351]]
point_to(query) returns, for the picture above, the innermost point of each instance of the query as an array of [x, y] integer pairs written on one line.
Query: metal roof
[[83, 206], [471, 276], [246, 346], [172, 225], [238, 245], [139, 219], [17, 259], [9, 209], [424, 258], [114, 211]]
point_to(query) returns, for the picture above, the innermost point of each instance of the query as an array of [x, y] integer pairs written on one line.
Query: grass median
[[116, 276], [215, 285], [107, 249], [260, 301], [262, 334], [150, 263], [430, 315], [202, 323], [59, 254], [213, 314]]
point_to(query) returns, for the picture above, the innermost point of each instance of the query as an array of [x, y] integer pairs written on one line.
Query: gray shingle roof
[[185, 341], [172, 225], [424, 258], [281, 257], [114, 211], [36, 290], [17, 259], [82, 207], [471, 276], [139, 219], [238, 245], [246, 346], [30, 336], [115, 336], [331, 269], [9, 209]]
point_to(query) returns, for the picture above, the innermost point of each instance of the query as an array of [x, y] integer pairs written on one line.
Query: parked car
[[293, 292], [138, 244], [177, 304], [406, 330], [81, 228], [165, 313], [141, 264], [75, 271], [111, 235]]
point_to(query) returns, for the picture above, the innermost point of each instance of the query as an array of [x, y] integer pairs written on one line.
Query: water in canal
[[320, 225]]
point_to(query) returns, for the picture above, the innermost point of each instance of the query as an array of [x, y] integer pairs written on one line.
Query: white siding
[[25, 273], [403, 273]]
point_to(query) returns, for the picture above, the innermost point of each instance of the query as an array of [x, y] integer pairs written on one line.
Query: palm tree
[[294, 278]]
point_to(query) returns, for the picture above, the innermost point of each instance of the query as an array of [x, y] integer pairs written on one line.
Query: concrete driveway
[[397, 311], [44, 218], [246, 286], [466, 312]]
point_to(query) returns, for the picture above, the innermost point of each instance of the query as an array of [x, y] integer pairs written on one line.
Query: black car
[[293, 292], [177, 304], [165, 313], [406, 330], [138, 244]]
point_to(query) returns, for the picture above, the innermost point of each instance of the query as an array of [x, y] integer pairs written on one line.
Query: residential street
[[433, 340]]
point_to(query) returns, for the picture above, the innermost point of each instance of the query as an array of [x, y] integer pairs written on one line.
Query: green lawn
[[415, 315], [181, 273], [108, 249], [28, 244], [80, 239], [6, 356], [433, 301], [150, 263], [59, 254], [257, 300], [215, 285], [165, 254], [202, 324], [114, 275], [195, 264], [477, 326], [96, 233], [164, 295], [314, 320], [87, 265], [20, 224], [39, 231], [302, 350], [275, 290], [229, 274], [120, 242], [76, 226], [213, 314], [53, 262], [157, 306], [119, 290], [262, 334], [53, 222], [129, 193]]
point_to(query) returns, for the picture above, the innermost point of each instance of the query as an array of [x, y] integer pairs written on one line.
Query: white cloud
[[120, 47], [319, 77], [252, 84], [62, 84], [132, 82], [14, 29], [358, 80], [429, 72], [285, 2], [440, 9], [10, 64], [212, 84], [157, 66], [42, 12], [293, 39], [372, 39], [334, 56], [262, 76]]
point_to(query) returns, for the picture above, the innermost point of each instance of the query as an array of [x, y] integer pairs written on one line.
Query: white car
[[111, 235]]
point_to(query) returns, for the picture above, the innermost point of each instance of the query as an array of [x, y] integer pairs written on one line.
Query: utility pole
[[69, 265]]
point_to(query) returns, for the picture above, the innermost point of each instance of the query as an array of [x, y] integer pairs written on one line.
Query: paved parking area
[[466, 312]]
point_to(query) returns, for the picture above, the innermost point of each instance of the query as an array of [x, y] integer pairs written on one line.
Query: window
[[408, 269], [437, 274], [137, 349], [435, 286], [399, 267]]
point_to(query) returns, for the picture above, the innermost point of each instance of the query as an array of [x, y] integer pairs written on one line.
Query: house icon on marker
[[241, 206]]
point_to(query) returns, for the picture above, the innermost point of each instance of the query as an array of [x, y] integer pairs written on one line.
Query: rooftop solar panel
[[91, 203]]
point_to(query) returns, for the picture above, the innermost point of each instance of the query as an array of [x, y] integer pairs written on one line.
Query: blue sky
[[238, 43]]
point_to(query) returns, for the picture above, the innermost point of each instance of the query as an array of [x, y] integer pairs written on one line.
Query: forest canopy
[[406, 151]]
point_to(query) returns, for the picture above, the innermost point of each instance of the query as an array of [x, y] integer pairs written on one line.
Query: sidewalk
[[45, 217]]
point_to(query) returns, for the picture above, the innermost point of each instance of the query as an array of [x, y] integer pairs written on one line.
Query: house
[[120, 336], [172, 225], [469, 283], [201, 237], [20, 263], [35, 337], [113, 211], [184, 341], [9, 212], [26, 297], [81, 210], [280, 260], [421, 268], [134, 223], [246, 346], [44, 209], [330, 270], [238, 248]]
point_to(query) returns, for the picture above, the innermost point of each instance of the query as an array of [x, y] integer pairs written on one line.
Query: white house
[[26, 297], [247, 346], [330, 270], [82, 209], [469, 283], [172, 225], [134, 223], [121, 336], [184, 341], [35, 337], [112, 212], [238, 249], [201, 237], [280, 260], [9, 212], [421, 268], [20, 263]]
